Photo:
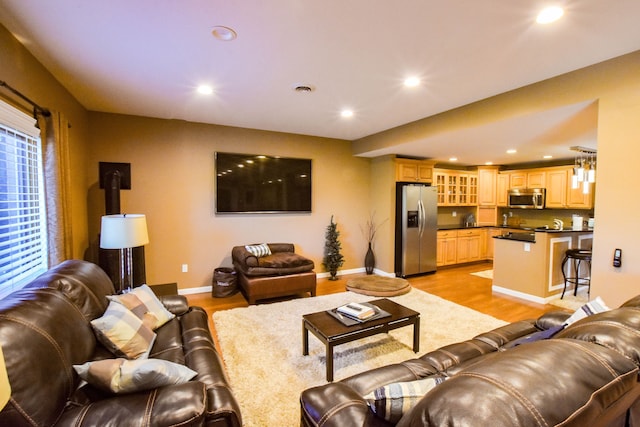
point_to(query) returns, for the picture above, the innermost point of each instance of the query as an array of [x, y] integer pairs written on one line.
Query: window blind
[[23, 252]]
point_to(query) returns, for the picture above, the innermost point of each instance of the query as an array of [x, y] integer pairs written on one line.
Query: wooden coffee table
[[331, 332]]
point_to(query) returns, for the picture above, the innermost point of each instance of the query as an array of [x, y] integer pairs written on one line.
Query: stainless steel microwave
[[527, 198]]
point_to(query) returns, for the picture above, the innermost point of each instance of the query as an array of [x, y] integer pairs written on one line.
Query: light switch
[[527, 247], [185, 268]]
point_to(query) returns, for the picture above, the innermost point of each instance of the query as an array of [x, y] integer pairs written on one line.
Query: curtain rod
[[36, 107]]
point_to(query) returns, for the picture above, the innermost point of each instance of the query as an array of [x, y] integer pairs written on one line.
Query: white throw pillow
[[259, 250], [128, 376]]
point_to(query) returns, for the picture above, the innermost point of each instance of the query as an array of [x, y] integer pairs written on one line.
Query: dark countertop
[[527, 234], [512, 227], [524, 236]]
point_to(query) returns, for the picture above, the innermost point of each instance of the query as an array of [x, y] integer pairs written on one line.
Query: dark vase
[[369, 260]]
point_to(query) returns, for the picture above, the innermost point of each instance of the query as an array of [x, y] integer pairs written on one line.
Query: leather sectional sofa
[[584, 375], [45, 329], [278, 272]]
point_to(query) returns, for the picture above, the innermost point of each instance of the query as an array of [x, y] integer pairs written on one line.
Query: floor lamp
[[5, 387], [124, 232]]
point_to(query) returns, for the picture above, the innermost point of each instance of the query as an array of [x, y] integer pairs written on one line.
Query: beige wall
[[615, 84], [172, 168], [21, 71]]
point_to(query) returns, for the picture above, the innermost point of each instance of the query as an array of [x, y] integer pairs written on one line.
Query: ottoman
[[263, 287], [379, 286]]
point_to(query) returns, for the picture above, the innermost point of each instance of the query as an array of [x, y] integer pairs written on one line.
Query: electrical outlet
[[527, 247], [454, 213], [185, 268]]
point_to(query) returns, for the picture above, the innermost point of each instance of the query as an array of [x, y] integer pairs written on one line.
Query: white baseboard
[[200, 290], [522, 295], [355, 271]]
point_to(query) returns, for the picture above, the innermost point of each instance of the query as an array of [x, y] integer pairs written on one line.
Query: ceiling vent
[[304, 88]]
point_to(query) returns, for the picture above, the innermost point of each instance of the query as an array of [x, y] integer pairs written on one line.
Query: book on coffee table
[[356, 310], [348, 320]]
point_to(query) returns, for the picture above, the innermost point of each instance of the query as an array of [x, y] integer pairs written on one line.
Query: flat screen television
[[252, 183]]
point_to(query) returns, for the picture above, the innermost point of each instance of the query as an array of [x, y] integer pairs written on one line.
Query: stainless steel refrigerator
[[416, 227]]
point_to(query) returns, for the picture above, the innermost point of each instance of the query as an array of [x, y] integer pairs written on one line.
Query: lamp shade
[[5, 387], [123, 231]]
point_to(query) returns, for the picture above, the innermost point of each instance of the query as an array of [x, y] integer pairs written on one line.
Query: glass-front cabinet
[[456, 188]]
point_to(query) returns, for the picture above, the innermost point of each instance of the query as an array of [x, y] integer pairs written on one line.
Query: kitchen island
[[527, 264]]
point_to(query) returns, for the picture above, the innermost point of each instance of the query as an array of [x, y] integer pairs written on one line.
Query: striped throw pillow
[[392, 401], [259, 250], [145, 304], [122, 333]]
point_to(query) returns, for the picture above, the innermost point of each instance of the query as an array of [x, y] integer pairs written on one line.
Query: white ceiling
[[146, 57]]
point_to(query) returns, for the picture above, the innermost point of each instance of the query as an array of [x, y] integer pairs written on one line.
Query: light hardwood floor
[[455, 284]]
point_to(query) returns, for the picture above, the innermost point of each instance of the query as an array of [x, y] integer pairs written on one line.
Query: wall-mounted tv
[[253, 183]]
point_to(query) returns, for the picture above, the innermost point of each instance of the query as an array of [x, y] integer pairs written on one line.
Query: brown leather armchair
[[45, 329], [282, 273]]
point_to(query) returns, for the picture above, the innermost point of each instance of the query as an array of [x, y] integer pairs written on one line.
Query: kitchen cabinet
[[446, 247], [560, 193], [536, 179], [441, 188], [468, 246], [456, 188], [502, 189], [467, 189], [556, 189], [518, 180], [451, 189], [447, 187], [488, 247], [487, 185], [486, 215], [412, 170], [576, 198]]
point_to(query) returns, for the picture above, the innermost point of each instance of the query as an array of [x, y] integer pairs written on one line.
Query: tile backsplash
[[454, 215]]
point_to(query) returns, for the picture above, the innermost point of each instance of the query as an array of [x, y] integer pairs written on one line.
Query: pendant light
[[584, 168]]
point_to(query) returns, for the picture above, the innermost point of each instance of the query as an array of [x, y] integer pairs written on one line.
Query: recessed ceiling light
[[453, 159], [512, 151], [488, 163], [346, 113], [547, 157], [549, 14], [223, 33], [411, 81], [205, 89]]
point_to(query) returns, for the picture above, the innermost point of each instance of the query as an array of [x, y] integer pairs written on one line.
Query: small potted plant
[[333, 259]]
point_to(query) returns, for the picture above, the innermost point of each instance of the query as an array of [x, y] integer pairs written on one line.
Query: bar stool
[[576, 256]]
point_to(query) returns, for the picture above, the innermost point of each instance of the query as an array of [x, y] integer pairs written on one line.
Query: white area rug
[[487, 274], [572, 302], [262, 348]]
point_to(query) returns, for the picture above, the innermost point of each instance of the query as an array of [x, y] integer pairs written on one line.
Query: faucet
[[558, 224], [504, 220]]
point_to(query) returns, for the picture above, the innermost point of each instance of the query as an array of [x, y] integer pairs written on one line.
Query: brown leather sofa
[[281, 273], [585, 375], [45, 329]]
